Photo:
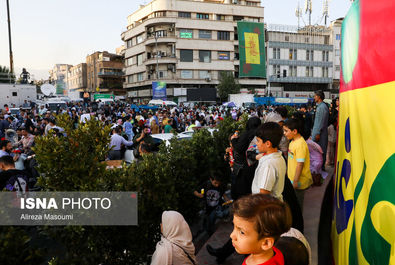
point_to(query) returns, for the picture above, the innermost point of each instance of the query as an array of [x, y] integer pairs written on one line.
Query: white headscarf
[[298, 235], [176, 238]]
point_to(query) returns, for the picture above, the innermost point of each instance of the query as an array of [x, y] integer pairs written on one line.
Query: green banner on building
[[251, 49]]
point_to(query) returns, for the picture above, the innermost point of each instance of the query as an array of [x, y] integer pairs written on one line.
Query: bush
[[165, 180]]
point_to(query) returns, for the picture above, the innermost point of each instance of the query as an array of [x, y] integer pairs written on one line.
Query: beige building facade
[[336, 27], [77, 81], [58, 76], [105, 73], [186, 44]]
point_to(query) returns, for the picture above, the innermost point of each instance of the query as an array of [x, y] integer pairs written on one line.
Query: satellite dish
[[48, 89]]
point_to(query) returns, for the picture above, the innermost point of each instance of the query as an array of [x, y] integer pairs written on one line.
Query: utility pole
[[157, 56], [9, 40]]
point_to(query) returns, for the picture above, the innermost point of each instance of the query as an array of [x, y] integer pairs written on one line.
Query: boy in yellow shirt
[[298, 159]]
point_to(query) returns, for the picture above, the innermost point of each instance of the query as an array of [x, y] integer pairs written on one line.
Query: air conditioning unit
[[163, 54], [171, 29], [235, 1], [208, 79], [151, 30], [151, 67]]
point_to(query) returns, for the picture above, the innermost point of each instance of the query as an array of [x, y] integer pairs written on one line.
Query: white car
[[165, 137], [190, 133]]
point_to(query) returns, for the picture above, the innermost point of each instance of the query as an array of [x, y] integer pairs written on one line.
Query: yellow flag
[[252, 48]]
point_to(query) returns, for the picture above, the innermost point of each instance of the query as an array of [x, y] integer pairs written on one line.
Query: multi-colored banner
[[363, 227], [251, 49], [159, 90]]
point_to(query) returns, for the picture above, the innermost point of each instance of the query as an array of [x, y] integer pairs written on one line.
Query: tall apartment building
[[58, 76], [77, 81], [105, 73], [336, 27], [300, 60], [186, 44]]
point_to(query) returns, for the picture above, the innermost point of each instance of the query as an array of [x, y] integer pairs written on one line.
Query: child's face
[[290, 134], [244, 237], [215, 183], [262, 146]]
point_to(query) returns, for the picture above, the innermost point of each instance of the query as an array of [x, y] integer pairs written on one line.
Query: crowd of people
[[272, 164]]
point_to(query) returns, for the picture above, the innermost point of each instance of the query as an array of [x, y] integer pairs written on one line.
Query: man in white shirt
[[85, 117]]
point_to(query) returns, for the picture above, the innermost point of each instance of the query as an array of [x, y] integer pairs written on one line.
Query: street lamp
[[157, 55]]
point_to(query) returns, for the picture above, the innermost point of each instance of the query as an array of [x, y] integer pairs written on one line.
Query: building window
[[237, 18], [162, 74], [309, 55], [223, 35], [220, 17], [186, 55], [129, 43], [184, 14], [252, 3], [325, 56], [326, 40], [186, 33], [160, 14], [161, 33], [186, 74], [202, 16], [292, 54], [224, 55], [276, 53], [276, 71], [286, 38], [14, 94], [129, 61], [309, 71], [130, 79], [293, 71], [140, 76], [324, 71], [337, 52], [139, 59], [139, 39], [338, 37], [204, 74], [205, 34], [205, 56], [307, 40], [337, 68]]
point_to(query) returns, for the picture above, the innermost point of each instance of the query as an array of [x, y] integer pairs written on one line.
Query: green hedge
[[165, 180]]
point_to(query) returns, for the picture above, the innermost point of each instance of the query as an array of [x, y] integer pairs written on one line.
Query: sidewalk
[[311, 214]]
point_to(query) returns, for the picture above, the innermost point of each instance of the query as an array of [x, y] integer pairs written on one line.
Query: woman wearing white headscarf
[[175, 247]]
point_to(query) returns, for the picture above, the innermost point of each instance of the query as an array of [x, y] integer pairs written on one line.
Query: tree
[[5, 76], [227, 85]]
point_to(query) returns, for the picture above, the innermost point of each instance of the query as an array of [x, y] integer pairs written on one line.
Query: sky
[[49, 32]]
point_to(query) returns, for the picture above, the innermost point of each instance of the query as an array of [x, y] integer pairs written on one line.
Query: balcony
[[110, 74], [169, 38], [161, 60], [308, 80]]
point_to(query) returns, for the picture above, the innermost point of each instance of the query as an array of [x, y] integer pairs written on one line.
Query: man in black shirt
[[10, 178]]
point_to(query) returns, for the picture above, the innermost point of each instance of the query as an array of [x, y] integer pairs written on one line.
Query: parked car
[[165, 137]]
